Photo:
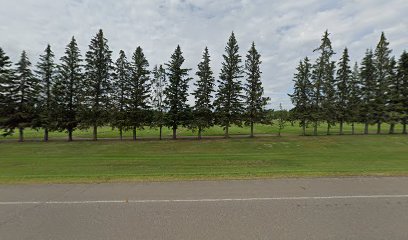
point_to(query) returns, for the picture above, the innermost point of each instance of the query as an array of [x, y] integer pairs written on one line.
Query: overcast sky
[[284, 31]]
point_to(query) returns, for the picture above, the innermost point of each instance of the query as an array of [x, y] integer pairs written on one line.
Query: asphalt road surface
[[319, 208]]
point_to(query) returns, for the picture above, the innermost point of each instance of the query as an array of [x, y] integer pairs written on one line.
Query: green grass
[[108, 132], [236, 158]]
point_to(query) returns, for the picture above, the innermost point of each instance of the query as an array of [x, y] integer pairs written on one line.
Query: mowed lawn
[[235, 158], [260, 129]]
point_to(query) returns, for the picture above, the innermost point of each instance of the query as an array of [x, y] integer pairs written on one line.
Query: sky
[[284, 31]]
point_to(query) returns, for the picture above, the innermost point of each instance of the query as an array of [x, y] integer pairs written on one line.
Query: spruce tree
[[382, 63], [158, 88], [301, 97], [228, 103], [139, 92], [203, 109], [67, 90], [255, 111], [26, 93], [176, 92], [403, 78], [322, 74], [7, 103], [98, 85], [354, 98], [343, 85], [394, 105], [46, 75], [121, 94], [329, 93], [368, 89]]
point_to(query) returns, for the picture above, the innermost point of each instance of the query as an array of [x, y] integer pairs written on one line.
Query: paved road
[[322, 208]]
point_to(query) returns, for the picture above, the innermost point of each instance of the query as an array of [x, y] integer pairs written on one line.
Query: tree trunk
[[134, 133], [304, 129], [341, 127], [404, 127], [120, 133], [226, 132], [352, 128], [378, 127], [174, 132], [160, 127], [69, 135], [252, 130], [315, 129], [45, 134], [392, 127], [366, 128], [95, 133], [328, 129], [21, 135], [199, 133]]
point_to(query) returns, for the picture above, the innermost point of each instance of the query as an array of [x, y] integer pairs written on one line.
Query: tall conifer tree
[[301, 97], [354, 98], [46, 74], [139, 92], [343, 84], [176, 92], [7, 101], [98, 84], [67, 90], [26, 94], [255, 111], [368, 89], [329, 100], [322, 74], [158, 88], [121, 93], [394, 107], [203, 109], [228, 104], [382, 64], [403, 78]]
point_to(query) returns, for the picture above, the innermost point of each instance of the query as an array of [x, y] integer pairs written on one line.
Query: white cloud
[[284, 31]]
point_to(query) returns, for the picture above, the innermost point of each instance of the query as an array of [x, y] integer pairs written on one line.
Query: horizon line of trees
[[96, 91], [372, 92]]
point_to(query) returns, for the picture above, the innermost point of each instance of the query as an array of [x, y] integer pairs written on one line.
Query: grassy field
[[236, 158], [108, 132]]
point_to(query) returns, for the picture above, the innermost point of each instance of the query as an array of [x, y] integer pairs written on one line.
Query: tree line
[[372, 92], [126, 94]]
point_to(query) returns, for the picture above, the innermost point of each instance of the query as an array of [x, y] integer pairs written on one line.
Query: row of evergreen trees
[[372, 93], [126, 94]]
